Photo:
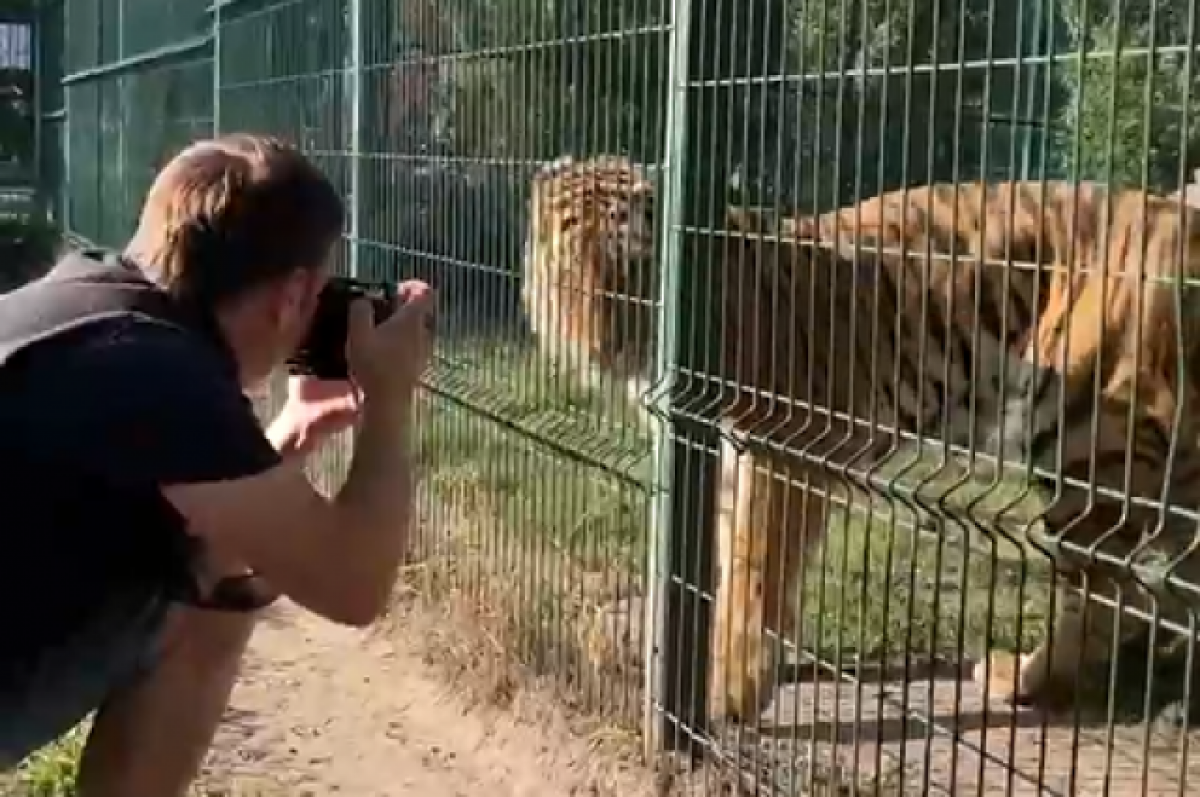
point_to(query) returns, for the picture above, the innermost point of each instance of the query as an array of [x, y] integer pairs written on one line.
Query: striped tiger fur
[[1106, 364], [598, 318], [859, 329]]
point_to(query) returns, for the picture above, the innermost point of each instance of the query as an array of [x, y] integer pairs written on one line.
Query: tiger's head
[[606, 202], [589, 273]]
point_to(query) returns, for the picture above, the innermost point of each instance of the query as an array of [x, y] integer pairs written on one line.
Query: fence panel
[[941, 467], [51, 145], [849, 413], [535, 477], [18, 111], [138, 88]]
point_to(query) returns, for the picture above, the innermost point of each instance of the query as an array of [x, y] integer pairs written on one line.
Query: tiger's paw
[[1005, 677], [742, 701]]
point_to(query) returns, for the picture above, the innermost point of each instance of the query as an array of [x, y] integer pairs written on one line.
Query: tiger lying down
[[829, 320]]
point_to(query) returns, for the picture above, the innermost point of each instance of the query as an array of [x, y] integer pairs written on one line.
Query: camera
[[322, 354]]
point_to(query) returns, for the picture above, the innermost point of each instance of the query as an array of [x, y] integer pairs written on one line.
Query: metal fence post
[[665, 648], [37, 34], [216, 66], [65, 66], [354, 74], [711, 78]]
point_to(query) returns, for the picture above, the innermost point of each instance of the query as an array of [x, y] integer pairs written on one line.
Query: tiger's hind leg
[[766, 519], [1094, 596]]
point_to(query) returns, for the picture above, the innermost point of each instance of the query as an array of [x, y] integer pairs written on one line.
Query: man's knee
[[208, 638]]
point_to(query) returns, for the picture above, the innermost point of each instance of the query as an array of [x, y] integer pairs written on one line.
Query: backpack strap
[[79, 290]]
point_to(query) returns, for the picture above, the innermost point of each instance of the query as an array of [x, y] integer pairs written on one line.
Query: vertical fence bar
[[37, 34], [665, 615], [66, 66], [354, 75], [217, 58]]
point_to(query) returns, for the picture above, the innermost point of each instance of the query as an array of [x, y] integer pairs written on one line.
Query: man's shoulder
[[128, 362], [154, 401]]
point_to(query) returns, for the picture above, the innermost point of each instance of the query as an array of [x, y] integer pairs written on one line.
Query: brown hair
[[231, 213]]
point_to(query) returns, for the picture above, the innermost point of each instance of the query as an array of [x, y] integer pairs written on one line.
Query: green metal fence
[[17, 111], [764, 484]]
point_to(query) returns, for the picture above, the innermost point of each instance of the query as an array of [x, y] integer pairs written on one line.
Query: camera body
[[322, 354]]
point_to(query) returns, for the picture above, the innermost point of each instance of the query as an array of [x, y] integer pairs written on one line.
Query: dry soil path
[[323, 710]]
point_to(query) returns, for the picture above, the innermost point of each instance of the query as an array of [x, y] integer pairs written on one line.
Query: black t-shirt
[[133, 405], [142, 401]]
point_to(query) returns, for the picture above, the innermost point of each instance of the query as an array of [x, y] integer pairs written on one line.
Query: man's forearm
[[377, 494]]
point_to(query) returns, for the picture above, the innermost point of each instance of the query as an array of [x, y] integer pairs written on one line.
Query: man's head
[[243, 227]]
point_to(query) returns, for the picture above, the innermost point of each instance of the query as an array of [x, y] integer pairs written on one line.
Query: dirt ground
[[323, 710]]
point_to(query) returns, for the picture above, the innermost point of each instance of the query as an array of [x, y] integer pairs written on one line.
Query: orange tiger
[[1097, 376], [827, 322], [599, 317]]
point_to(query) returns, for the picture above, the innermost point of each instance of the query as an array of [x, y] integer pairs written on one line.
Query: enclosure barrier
[[765, 485]]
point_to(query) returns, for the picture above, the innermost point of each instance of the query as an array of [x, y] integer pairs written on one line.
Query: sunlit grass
[[569, 467]]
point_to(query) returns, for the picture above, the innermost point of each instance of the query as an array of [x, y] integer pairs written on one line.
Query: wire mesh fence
[[813, 383]]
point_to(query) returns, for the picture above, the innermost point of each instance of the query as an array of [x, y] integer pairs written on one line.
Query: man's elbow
[[360, 605]]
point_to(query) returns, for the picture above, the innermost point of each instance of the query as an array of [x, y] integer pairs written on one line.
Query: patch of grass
[[877, 592], [567, 471], [560, 465], [51, 771]]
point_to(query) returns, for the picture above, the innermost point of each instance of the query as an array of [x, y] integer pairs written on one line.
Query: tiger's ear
[[736, 218]]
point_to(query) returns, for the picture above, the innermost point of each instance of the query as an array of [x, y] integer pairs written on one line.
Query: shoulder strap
[[81, 288]]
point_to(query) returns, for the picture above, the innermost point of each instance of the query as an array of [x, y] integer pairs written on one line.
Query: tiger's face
[[589, 270]]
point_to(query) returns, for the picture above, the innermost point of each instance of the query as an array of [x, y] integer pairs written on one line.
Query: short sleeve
[[151, 404]]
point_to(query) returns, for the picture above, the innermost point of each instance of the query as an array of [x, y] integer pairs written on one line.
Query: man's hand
[[387, 360], [337, 557], [315, 410]]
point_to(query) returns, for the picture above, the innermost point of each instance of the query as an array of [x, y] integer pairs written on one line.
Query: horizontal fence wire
[[812, 393]]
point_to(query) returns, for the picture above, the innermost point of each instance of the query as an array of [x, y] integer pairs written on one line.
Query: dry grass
[[536, 505], [536, 502]]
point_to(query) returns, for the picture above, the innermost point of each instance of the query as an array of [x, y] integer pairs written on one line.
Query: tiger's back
[[1088, 279]]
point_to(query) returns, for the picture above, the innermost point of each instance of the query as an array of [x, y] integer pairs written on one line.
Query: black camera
[[323, 352]]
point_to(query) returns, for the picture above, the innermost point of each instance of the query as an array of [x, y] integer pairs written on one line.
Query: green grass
[[50, 772], [566, 467], [516, 436]]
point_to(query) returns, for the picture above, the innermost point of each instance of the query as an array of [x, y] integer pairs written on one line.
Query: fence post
[[670, 692], [66, 222], [37, 44], [354, 74], [713, 41], [216, 66], [685, 509]]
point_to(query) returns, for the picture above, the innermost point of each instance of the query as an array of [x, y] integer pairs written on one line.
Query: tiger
[[599, 320], [956, 330], [1100, 378]]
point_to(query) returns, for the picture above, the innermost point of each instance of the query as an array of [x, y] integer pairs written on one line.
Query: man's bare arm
[[336, 557]]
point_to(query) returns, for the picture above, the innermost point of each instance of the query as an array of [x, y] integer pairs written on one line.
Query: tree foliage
[[1133, 101]]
